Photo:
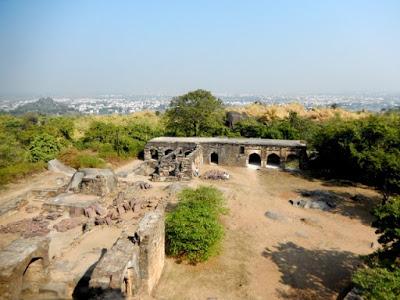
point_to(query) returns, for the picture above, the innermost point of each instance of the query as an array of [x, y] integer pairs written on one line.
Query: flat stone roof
[[224, 140]]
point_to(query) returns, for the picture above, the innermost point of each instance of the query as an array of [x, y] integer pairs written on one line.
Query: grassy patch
[[19, 171]]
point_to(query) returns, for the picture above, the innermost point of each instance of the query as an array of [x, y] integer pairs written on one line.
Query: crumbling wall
[[23, 268], [93, 181], [176, 165], [133, 266]]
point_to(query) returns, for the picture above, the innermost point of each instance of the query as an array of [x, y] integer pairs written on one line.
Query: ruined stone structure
[[93, 237], [134, 264], [178, 158], [24, 268]]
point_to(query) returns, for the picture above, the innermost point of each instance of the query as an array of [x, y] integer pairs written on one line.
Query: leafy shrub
[[378, 283], [193, 230], [44, 147]]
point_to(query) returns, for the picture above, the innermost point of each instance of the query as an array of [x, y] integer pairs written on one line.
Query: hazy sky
[[100, 47]]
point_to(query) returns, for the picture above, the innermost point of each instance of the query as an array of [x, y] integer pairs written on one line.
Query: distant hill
[[44, 106]]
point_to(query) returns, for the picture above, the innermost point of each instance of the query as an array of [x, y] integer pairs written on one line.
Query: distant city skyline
[[77, 48]]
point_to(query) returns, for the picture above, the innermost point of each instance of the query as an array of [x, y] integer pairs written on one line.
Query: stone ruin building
[[178, 158], [60, 252]]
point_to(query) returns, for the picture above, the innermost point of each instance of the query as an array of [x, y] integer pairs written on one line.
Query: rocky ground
[[287, 236]]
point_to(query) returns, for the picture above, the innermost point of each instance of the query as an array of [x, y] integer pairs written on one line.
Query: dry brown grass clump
[[272, 112]]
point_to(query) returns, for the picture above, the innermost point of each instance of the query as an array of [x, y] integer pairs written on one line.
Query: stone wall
[[223, 151], [133, 266]]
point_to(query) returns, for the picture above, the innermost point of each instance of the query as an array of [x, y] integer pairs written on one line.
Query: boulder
[[275, 216], [143, 185], [57, 166], [75, 183], [146, 168]]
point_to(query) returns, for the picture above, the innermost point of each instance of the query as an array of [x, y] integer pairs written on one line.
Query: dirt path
[[302, 254]]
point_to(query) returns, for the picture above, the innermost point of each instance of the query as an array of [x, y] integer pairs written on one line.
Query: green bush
[[44, 147], [193, 229], [378, 283]]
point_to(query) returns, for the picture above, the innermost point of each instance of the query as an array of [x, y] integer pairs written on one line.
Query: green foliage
[[366, 150], [193, 230], [290, 128], [381, 280], [197, 113], [387, 222], [119, 141], [44, 147], [18, 170], [378, 283]]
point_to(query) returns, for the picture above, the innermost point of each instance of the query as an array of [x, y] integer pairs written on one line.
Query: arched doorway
[[273, 160], [154, 154], [255, 159], [33, 277], [168, 151], [292, 162], [214, 158]]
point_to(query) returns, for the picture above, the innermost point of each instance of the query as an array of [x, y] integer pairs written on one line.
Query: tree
[[197, 113]]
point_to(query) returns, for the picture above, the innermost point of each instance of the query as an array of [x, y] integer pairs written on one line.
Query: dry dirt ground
[[305, 254]]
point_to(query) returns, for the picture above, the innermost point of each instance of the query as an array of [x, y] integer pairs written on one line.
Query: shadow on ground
[[352, 205], [312, 274]]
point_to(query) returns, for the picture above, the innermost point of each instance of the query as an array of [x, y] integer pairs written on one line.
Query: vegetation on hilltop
[[44, 106]]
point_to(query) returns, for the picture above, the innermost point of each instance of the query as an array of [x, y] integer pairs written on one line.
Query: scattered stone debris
[[322, 200], [67, 224], [216, 175], [30, 227], [315, 204], [143, 185]]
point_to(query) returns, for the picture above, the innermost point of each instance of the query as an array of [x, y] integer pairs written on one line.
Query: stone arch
[[255, 159], [214, 158], [292, 161], [33, 276], [154, 153], [273, 160], [168, 151]]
